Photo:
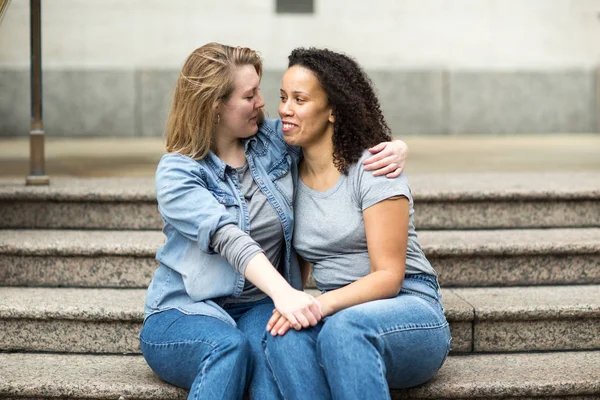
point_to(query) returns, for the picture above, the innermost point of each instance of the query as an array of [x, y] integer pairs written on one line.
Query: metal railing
[[37, 175]]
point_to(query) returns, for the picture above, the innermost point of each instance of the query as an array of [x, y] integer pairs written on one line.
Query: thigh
[[409, 332], [254, 321], [175, 344]]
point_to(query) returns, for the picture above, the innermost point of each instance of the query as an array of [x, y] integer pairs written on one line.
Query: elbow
[[392, 284]]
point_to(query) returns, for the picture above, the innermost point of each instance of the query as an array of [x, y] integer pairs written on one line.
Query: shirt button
[[284, 171]]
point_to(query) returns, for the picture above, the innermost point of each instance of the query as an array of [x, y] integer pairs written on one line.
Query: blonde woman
[[225, 192]]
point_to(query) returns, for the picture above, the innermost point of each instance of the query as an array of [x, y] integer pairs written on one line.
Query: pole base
[[37, 180]]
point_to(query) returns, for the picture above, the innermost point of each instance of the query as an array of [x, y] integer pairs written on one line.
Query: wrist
[[327, 307]]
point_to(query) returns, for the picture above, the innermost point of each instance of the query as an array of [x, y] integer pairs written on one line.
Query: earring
[[218, 119]]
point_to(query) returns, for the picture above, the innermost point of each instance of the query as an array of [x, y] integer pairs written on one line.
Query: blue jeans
[[209, 357], [362, 351]]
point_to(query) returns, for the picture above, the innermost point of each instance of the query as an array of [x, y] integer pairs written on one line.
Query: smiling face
[[304, 110], [239, 114]]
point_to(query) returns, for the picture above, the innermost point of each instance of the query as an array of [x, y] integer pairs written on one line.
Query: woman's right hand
[[299, 308]]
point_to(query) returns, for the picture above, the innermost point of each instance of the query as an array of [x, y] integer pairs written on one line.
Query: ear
[[331, 117]]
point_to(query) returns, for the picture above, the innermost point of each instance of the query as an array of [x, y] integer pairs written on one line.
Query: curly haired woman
[[384, 324]]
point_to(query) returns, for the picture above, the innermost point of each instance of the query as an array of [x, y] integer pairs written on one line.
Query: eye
[[250, 97], [282, 98], [299, 99]]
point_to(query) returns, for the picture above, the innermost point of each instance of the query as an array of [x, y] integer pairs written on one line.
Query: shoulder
[[173, 166], [370, 189]]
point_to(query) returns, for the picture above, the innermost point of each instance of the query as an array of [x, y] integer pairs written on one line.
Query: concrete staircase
[[518, 257]]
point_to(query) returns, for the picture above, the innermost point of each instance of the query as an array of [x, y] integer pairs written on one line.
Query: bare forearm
[[264, 276], [375, 286]]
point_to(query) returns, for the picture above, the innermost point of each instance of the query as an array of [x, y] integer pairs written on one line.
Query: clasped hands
[[296, 310]]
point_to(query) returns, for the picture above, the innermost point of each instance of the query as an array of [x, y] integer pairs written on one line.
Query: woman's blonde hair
[[206, 80]]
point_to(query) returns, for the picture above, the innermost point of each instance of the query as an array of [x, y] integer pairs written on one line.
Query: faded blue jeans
[[209, 357], [363, 351]]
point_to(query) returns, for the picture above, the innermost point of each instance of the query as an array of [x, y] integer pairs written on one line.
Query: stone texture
[[506, 186], [522, 101], [475, 201], [413, 102], [534, 318], [109, 320], [547, 335], [514, 257], [89, 102], [77, 271], [70, 336], [15, 103], [507, 270], [533, 302], [460, 315], [77, 215], [506, 214], [72, 304], [82, 377], [497, 376], [154, 92], [530, 375]]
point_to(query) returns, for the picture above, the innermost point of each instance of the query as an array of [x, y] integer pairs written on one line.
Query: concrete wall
[[460, 66]]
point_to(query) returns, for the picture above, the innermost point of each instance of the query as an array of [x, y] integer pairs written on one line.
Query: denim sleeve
[[185, 203]]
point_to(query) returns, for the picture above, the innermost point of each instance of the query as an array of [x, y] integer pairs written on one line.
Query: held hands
[[295, 309], [389, 159]]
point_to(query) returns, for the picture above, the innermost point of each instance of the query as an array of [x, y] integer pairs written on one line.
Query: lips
[[288, 126]]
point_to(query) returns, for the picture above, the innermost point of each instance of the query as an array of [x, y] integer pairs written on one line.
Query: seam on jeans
[[382, 378], [264, 345], [412, 328], [213, 345]]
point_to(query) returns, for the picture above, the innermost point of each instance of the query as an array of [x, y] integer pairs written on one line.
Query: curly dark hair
[[359, 122]]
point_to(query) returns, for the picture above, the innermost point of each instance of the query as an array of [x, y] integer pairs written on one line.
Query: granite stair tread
[[426, 186], [114, 304], [515, 303], [463, 258], [534, 375], [443, 201], [481, 320], [434, 243]]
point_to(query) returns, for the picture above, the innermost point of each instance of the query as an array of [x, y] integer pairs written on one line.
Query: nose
[[260, 103], [284, 108]]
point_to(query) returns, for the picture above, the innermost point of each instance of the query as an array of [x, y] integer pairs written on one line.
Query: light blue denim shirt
[[195, 198]]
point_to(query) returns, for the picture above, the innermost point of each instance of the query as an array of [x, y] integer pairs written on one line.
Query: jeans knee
[[235, 344]]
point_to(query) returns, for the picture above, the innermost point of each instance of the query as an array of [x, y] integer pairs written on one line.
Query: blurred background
[[516, 75]]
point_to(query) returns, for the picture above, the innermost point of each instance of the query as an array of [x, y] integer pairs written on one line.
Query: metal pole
[[37, 175]]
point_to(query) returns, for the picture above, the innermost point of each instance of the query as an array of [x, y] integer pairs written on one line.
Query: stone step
[[442, 201], [481, 319], [92, 258], [561, 375]]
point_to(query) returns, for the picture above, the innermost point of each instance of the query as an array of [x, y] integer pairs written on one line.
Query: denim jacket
[[195, 198]]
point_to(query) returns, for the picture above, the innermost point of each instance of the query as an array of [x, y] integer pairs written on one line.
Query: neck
[[318, 157], [230, 150]]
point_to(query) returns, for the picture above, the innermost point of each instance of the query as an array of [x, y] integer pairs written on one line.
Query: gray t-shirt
[[265, 232], [330, 231]]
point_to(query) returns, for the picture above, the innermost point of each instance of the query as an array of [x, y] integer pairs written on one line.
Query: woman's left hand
[[389, 159], [278, 324]]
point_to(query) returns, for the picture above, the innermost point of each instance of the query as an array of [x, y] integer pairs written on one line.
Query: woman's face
[[238, 115], [307, 118]]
